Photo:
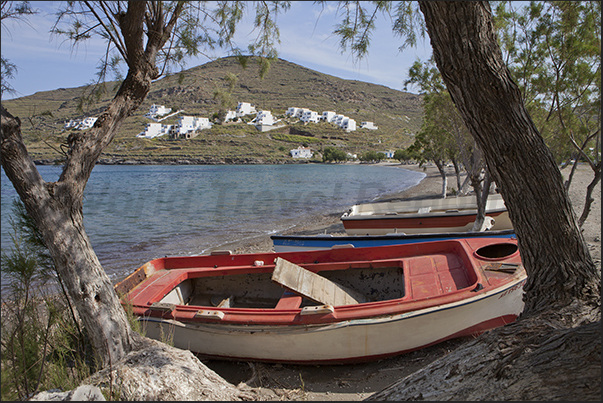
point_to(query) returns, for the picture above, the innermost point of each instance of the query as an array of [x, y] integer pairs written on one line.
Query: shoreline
[[429, 186]]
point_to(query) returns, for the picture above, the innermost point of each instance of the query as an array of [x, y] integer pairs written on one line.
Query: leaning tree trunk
[[57, 207], [559, 266], [589, 194], [554, 351]]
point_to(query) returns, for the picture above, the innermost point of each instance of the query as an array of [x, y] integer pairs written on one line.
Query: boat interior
[[412, 278]]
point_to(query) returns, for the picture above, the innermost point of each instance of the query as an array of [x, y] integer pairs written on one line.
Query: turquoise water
[[136, 213]]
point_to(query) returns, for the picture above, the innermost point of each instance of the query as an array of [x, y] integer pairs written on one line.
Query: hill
[[397, 114]]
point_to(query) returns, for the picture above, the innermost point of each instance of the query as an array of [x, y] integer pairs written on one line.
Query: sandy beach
[[357, 382]]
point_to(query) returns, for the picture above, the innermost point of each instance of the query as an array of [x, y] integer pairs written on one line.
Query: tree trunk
[[559, 266], [589, 194], [57, 207], [442, 170], [457, 173], [482, 190]]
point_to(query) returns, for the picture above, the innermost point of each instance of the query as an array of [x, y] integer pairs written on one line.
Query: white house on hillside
[[327, 116], [338, 120], [72, 124], [264, 118], [300, 112], [153, 130], [292, 111], [157, 110], [230, 115], [310, 116], [187, 126], [80, 124], [301, 152], [368, 125], [245, 108], [348, 125]]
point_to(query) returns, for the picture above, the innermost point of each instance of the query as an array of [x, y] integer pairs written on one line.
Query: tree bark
[[559, 266], [442, 169]]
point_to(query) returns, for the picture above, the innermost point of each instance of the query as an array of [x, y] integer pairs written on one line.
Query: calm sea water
[[133, 214]]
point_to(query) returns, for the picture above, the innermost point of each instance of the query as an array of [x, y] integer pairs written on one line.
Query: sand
[[357, 382]]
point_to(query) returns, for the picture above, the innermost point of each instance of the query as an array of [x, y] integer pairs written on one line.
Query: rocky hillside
[[396, 113]]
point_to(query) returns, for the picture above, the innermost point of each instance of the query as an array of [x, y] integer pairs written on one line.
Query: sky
[[46, 62]]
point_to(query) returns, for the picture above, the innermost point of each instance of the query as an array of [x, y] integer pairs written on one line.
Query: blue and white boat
[[290, 243]]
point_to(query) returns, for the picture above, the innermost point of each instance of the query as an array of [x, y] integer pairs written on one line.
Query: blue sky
[[48, 63]]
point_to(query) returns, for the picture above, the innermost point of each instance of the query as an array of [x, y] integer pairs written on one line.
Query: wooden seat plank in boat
[[312, 285]]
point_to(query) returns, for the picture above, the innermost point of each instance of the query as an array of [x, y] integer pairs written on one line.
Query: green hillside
[[397, 114]]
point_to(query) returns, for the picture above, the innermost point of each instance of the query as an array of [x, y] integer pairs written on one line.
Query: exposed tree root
[[531, 359]]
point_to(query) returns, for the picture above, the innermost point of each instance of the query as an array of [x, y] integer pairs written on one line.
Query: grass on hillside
[[398, 115]]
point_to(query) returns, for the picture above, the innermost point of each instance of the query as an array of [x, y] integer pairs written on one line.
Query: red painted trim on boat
[[432, 221]]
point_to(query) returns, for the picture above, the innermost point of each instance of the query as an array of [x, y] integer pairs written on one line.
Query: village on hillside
[[188, 127]]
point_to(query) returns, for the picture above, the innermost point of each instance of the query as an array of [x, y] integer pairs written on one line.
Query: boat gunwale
[[292, 315], [393, 236], [404, 216]]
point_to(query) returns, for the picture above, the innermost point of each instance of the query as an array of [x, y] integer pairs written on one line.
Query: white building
[[368, 125], [72, 124], [157, 110], [230, 115], [300, 112], [80, 124], [338, 120], [292, 111], [187, 126], [301, 152], [327, 116], [388, 153], [153, 130], [310, 116], [348, 125], [245, 108], [264, 118], [84, 124]]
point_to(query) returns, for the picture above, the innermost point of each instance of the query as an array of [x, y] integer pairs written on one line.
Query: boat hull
[[423, 216], [350, 341], [290, 243]]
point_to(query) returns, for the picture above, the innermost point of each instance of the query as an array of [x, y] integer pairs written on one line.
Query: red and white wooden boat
[[424, 216], [328, 306]]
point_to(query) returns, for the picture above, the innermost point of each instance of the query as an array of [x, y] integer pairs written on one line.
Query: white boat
[[424, 216]]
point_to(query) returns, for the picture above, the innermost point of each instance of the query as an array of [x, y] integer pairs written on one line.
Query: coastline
[[429, 186]]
